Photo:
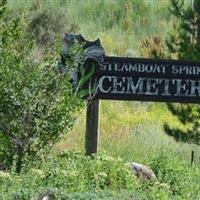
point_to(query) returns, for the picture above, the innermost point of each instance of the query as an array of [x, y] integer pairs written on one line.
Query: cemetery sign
[[148, 80], [121, 78]]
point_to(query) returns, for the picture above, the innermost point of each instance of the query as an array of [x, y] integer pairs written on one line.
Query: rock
[[142, 171], [45, 198], [48, 195]]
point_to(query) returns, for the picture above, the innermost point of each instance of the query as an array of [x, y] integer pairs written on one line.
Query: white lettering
[[103, 67], [132, 88], [151, 87], [174, 69], [100, 85], [180, 87], [117, 85], [195, 89], [166, 87]]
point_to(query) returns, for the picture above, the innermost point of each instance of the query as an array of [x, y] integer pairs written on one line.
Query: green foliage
[[135, 134], [188, 115], [181, 178], [75, 176], [37, 104], [110, 13], [153, 47], [70, 175], [47, 25], [184, 39], [184, 42], [124, 21]]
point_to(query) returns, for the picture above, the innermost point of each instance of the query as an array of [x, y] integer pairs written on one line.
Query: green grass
[[120, 24], [132, 131], [70, 175]]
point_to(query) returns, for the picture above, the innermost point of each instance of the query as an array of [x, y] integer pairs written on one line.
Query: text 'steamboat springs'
[[148, 80]]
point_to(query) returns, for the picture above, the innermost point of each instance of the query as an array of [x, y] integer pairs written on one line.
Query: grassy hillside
[[132, 131], [120, 24]]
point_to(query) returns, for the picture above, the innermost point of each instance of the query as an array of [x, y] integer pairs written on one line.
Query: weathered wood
[[92, 128]]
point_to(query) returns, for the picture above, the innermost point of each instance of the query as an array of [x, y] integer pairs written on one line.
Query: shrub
[[74, 176], [47, 25], [182, 179], [37, 103]]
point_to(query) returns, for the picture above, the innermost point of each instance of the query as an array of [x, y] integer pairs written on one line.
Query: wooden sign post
[[92, 127], [121, 78]]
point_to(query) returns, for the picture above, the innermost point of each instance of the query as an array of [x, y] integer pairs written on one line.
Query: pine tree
[[184, 43]]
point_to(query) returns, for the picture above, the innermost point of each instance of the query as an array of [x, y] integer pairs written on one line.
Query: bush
[[72, 175], [37, 104], [47, 25], [182, 179]]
